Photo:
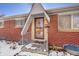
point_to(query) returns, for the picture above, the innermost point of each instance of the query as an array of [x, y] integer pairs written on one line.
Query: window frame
[[2, 26], [19, 25], [72, 29], [73, 22], [35, 27]]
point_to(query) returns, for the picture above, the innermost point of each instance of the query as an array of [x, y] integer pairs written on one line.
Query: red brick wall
[[10, 32], [60, 38], [27, 35]]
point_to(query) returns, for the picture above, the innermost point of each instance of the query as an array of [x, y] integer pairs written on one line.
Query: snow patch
[[30, 54], [6, 50], [30, 46], [58, 53]]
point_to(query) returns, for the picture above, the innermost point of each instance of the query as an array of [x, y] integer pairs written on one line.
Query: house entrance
[[39, 28]]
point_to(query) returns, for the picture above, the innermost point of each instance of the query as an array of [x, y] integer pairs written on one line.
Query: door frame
[[33, 33], [35, 27]]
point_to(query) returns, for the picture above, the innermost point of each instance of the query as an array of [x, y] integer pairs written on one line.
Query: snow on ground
[[30, 54], [57, 53], [6, 50], [30, 46]]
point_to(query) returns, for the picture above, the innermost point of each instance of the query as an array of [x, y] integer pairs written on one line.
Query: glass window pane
[[39, 22], [65, 22], [39, 33], [76, 20], [1, 24], [20, 22]]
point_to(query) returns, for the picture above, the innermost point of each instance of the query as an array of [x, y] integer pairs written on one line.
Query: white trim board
[[68, 12]]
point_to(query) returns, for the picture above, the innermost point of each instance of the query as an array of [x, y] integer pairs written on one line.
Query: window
[[68, 22], [20, 22], [76, 21], [39, 28], [65, 22], [1, 23]]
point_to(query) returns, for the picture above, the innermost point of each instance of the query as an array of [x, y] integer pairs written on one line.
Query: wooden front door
[[39, 28]]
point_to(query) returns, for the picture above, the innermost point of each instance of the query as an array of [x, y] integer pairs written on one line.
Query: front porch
[[36, 36], [34, 46], [35, 30], [21, 50]]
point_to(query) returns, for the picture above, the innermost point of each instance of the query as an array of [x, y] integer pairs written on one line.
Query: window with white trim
[[1, 23], [76, 21], [68, 22], [20, 22]]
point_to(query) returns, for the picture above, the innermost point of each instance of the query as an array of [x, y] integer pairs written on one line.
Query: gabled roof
[[37, 8]]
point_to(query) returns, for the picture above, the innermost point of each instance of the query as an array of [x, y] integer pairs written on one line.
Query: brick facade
[[60, 38], [9, 31]]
